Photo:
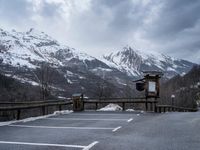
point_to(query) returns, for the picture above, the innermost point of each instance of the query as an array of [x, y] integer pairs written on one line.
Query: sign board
[[150, 83], [152, 86]]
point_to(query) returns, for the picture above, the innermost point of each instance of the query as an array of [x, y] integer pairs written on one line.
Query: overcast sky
[[99, 26]]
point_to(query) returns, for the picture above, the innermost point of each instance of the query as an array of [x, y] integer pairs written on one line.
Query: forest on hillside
[[185, 88]]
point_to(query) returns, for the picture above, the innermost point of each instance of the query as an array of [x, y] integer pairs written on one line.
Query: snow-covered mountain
[[22, 55], [133, 62], [23, 49]]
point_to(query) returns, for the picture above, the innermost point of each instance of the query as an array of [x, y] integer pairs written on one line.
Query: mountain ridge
[[28, 51], [134, 62]]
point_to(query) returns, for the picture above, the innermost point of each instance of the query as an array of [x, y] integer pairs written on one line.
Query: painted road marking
[[114, 130], [82, 119], [54, 127], [131, 119], [51, 145], [91, 145]]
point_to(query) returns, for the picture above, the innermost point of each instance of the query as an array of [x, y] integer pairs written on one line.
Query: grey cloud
[[126, 16], [174, 17], [109, 22], [168, 26], [14, 10], [21, 11], [50, 9]]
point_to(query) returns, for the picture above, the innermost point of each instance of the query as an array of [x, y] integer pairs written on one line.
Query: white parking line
[[114, 130], [89, 119], [131, 119], [54, 127], [51, 145], [91, 145]]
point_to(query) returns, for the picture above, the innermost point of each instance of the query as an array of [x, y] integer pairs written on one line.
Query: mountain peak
[[133, 62], [31, 30], [34, 31]]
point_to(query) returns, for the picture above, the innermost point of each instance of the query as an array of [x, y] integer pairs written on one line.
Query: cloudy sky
[[100, 26]]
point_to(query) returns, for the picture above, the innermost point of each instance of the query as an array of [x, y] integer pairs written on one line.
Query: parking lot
[[104, 130], [71, 131]]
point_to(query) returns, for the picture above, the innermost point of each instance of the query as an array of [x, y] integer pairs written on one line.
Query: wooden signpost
[[151, 84], [77, 100]]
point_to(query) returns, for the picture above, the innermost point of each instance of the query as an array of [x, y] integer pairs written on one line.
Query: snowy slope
[[24, 49], [133, 62], [33, 47], [23, 53]]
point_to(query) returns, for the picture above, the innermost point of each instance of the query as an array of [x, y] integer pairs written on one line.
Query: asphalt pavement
[[91, 130]]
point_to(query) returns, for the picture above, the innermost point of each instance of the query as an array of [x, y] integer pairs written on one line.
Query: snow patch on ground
[[36, 118], [131, 110], [111, 107]]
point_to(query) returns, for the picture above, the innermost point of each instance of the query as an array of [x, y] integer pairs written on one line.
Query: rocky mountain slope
[[34, 57], [133, 62]]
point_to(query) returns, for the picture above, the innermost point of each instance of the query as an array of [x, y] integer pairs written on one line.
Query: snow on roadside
[[36, 118], [131, 110], [111, 107]]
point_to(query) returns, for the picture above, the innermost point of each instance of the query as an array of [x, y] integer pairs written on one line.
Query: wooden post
[[83, 105], [60, 107], [18, 114], [151, 106], [159, 109], [96, 105], [155, 108], [146, 105], [123, 106], [43, 110]]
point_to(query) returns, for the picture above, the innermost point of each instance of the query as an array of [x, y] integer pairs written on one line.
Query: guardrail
[[123, 101], [30, 102], [150, 105], [19, 106], [169, 108]]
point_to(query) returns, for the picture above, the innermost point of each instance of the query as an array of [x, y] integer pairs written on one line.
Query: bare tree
[[45, 76], [100, 88], [104, 88], [128, 89]]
